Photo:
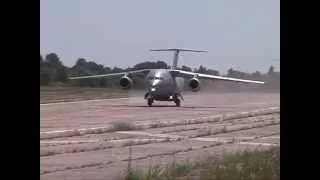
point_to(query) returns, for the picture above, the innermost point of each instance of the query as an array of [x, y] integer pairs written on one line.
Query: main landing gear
[[148, 98], [175, 99], [150, 101]]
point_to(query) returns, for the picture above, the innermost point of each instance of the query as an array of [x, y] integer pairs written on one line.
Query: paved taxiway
[[104, 155], [95, 113]]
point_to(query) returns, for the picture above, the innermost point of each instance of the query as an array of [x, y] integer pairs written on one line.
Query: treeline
[[53, 71]]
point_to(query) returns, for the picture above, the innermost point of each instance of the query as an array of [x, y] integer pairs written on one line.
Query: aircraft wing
[[207, 76], [111, 74]]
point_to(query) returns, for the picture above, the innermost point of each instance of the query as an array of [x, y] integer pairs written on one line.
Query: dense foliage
[[53, 71]]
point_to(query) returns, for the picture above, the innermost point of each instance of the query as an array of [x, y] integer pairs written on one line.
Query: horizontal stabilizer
[[176, 54], [177, 50]]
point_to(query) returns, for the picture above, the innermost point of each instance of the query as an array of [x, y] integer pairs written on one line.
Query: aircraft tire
[[150, 101], [146, 95], [177, 101]]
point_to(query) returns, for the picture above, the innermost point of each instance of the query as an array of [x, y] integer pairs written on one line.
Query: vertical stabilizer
[[176, 55]]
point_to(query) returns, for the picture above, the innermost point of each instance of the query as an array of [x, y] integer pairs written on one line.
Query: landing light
[[153, 89]]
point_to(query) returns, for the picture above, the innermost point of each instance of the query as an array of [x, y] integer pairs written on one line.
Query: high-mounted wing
[[207, 76], [111, 74]]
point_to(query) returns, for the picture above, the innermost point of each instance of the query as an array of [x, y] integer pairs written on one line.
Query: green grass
[[122, 126], [171, 172], [257, 165]]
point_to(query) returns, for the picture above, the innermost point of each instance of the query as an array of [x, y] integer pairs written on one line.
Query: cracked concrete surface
[[94, 152]]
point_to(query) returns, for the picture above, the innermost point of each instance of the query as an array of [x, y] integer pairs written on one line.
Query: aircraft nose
[[155, 83], [152, 90]]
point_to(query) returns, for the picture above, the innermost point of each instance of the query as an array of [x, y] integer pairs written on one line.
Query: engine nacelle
[[194, 84], [125, 82]]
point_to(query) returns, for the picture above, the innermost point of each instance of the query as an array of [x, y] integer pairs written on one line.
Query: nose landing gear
[[146, 95], [175, 98], [177, 101], [150, 101], [149, 98]]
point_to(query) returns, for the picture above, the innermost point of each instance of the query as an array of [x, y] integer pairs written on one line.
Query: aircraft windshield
[[154, 78]]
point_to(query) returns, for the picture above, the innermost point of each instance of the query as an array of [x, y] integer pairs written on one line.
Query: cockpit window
[[154, 78]]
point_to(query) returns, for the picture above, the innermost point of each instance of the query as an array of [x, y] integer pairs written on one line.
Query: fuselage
[[161, 84]]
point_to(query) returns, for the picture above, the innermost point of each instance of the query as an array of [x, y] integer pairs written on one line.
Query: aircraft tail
[[176, 54]]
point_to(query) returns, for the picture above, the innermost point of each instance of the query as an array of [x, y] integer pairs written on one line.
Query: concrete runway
[[103, 155]]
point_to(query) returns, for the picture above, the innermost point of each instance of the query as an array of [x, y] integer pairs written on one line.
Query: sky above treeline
[[242, 34]]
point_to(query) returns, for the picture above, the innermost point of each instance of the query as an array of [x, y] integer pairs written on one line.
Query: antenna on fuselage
[[176, 55]]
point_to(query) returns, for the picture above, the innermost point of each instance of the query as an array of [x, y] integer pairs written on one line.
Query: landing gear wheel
[[177, 101], [150, 101], [146, 95]]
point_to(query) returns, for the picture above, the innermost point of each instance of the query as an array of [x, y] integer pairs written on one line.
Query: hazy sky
[[243, 34]]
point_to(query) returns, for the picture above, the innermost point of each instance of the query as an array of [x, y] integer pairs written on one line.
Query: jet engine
[[125, 82], [194, 84]]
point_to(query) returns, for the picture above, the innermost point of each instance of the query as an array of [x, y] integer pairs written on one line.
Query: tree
[[80, 62], [213, 72], [144, 65], [52, 70], [116, 70], [186, 68], [161, 65], [202, 69], [46, 76], [236, 73], [107, 70], [61, 75], [256, 74], [53, 61], [230, 72], [79, 68], [41, 61], [94, 68], [56, 70], [151, 65], [271, 71]]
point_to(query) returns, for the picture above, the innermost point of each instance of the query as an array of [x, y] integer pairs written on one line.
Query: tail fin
[[176, 54]]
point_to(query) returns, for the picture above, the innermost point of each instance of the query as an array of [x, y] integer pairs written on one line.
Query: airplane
[[165, 84]]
